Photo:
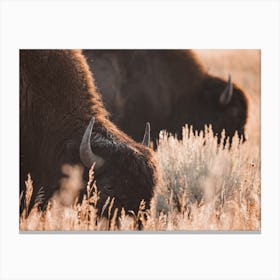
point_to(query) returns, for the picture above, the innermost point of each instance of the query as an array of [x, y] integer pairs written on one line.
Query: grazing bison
[[169, 88], [63, 122]]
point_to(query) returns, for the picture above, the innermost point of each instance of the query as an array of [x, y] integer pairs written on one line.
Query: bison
[[63, 122], [169, 88]]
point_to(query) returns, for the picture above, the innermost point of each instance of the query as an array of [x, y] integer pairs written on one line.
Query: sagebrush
[[204, 186]]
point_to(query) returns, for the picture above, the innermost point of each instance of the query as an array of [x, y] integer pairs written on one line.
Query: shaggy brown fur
[[168, 88], [57, 101]]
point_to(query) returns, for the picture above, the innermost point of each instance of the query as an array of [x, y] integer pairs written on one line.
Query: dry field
[[203, 186]]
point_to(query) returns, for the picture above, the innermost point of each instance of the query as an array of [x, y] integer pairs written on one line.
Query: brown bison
[[63, 121], [168, 88]]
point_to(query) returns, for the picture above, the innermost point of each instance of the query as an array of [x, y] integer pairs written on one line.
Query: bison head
[[123, 170], [225, 105]]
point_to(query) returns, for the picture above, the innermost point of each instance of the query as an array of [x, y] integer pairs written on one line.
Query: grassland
[[203, 186]]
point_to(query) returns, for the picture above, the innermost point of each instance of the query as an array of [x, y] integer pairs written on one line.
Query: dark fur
[[57, 100], [168, 88]]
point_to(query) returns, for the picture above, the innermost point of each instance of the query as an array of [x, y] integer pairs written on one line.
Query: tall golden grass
[[203, 186]]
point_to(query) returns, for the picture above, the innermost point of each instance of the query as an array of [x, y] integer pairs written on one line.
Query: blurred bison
[[63, 121], [169, 88]]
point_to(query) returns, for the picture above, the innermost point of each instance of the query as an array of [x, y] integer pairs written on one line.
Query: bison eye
[[63, 175], [108, 188]]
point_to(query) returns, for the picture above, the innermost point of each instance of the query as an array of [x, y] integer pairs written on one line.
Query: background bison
[[63, 121], [169, 88]]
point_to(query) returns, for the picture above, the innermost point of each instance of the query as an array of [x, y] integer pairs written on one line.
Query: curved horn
[[86, 155], [146, 138], [226, 95]]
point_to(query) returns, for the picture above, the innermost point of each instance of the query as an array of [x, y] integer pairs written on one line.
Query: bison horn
[[226, 95], [86, 154], [146, 138]]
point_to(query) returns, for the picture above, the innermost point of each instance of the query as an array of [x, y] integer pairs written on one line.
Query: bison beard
[[59, 106], [169, 88]]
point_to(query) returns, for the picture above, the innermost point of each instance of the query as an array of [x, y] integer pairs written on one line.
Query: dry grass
[[203, 186], [206, 186]]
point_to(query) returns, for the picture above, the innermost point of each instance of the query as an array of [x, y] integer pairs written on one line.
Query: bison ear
[[226, 95], [86, 154], [147, 135]]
